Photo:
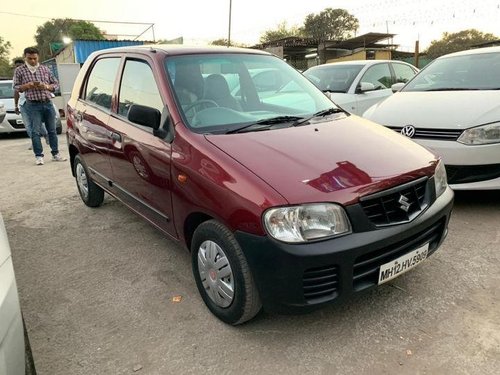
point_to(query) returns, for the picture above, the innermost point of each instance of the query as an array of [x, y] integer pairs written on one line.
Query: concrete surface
[[97, 285]]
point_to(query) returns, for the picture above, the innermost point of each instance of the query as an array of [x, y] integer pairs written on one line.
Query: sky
[[201, 21]]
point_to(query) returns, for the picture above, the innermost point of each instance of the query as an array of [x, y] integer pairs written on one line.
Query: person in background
[[37, 83], [19, 101]]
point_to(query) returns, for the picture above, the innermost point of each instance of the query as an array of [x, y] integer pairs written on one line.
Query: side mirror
[[328, 94], [145, 116], [366, 86], [397, 86]]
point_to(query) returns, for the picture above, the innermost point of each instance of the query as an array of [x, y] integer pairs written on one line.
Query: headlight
[[440, 179], [307, 222], [481, 135]]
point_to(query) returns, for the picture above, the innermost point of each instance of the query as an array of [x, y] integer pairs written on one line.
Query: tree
[[5, 67], [52, 32], [223, 42], [454, 42], [281, 32], [330, 24]]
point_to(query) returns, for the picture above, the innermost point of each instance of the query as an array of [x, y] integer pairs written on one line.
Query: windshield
[[468, 72], [333, 78], [218, 93], [6, 90]]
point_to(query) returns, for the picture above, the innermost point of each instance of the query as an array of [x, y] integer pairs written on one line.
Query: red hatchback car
[[284, 200]]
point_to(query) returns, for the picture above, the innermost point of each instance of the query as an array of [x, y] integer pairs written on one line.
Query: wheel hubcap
[[82, 181], [216, 274]]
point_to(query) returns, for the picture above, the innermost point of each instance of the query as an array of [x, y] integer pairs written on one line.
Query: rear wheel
[[92, 195], [222, 274]]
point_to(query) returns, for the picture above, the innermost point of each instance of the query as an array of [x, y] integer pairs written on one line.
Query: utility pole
[[229, 31]]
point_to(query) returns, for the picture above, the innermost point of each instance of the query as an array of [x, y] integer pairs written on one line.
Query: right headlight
[[440, 179], [306, 222], [481, 135]]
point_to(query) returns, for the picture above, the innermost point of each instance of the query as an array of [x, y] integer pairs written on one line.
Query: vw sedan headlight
[[307, 222], [481, 135], [440, 179]]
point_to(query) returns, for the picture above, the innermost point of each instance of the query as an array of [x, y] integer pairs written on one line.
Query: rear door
[[92, 112], [140, 160]]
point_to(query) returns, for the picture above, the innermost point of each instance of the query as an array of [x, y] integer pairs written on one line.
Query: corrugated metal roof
[[83, 48]]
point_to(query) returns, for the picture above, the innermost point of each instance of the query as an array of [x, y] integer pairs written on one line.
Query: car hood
[[8, 103], [439, 109], [337, 160]]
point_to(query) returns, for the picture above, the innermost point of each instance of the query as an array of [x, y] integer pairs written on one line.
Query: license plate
[[404, 263]]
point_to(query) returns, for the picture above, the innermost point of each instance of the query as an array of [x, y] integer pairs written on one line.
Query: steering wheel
[[203, 103]]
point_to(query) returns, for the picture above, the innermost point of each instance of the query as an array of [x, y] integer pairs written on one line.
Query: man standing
[[19, 101], [37, 82]]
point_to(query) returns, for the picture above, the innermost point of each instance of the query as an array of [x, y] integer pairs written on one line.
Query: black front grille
[[460, 174], [367, 266], [437, 134], [396, 205], [321, 283], [15, 125]]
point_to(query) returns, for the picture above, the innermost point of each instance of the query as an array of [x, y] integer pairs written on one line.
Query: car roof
[[178, 49], [476, 51]]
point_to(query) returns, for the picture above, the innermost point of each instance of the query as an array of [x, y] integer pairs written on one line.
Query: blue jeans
[[39, 113], [27, 122]]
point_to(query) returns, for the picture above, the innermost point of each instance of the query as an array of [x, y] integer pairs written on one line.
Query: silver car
[[12, 360], [12, 122]]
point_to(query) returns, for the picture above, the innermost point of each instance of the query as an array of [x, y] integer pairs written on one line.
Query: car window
[[379, 75], [480, 71], [333, 78], [101, 81], [138, 86], [6, 90], [403, 72]]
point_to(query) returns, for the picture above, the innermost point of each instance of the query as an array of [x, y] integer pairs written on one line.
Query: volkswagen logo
[[408, 130], [404, 202]]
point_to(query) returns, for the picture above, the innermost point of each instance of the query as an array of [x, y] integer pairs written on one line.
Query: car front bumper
[[298, 277]]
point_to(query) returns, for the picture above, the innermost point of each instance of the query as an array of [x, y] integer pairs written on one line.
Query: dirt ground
[[97, 288]]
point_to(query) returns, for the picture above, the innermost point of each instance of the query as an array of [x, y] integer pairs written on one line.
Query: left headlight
[[481, 135], [306, 222], [440, 178]]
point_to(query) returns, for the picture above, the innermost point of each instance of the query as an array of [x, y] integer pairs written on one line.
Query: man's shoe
[[58, 157], [39, 160]]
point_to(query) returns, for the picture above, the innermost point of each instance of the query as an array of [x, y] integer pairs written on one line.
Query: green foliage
[[282, 31], [53, 32], [454, 42], [223, 42], [5, 67], [330, 24]]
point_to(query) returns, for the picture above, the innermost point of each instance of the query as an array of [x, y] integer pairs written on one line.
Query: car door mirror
[[366, 86], [145, 116], [397, 86]]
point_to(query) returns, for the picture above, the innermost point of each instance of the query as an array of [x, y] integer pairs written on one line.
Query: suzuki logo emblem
[[408, 130], [404, 202]]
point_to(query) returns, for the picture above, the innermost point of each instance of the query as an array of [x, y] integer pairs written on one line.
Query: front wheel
[[92, 195], [222, 274]]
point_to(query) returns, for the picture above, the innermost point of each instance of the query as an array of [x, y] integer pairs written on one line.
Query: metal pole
[[229, 31]]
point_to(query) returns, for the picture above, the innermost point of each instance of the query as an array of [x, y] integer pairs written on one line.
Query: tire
[[92, 195], [219, 265]]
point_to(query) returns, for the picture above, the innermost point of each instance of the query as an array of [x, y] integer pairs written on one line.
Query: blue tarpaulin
[[83, 48]]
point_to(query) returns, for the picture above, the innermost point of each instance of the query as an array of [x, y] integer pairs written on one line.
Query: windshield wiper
[[326, 112], [453, 89], [264, 124]]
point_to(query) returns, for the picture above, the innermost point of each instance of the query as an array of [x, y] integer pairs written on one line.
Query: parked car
[[453, 108], [12, 122], [357, 85], [3, 112], [12, 358], [278, 203]]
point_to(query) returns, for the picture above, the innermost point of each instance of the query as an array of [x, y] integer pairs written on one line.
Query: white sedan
[[453, 108], [357, 85]]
